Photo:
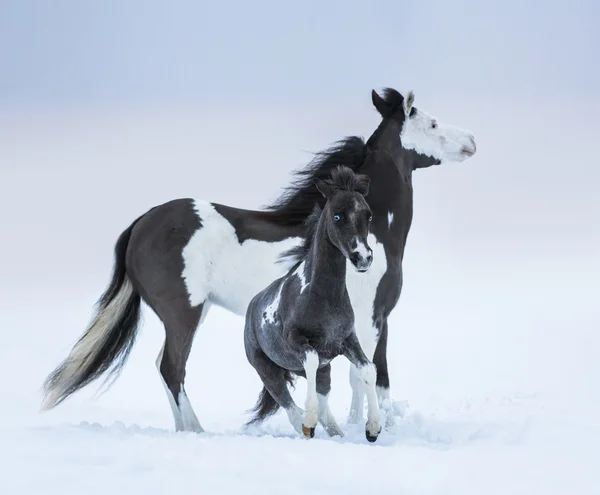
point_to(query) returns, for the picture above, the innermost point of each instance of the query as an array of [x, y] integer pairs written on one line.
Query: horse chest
[[362, 289]]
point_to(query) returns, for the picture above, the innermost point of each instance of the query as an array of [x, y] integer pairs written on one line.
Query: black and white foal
[[303, 320]]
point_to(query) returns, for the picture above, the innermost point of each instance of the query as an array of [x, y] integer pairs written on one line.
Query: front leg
[[383, 379], [311, 407], [325, 416], [367, 373]]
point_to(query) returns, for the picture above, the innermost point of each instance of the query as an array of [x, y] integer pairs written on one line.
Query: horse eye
[[336, 218], [434, 124], [370, 218]]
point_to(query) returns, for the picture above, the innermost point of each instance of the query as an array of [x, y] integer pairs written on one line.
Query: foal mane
[[341, 178], [298, 201]]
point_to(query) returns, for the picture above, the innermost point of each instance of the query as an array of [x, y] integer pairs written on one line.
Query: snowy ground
[[494, 344], [449, 441]]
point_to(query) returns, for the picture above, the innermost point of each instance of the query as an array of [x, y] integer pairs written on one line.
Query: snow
[[494, 345]]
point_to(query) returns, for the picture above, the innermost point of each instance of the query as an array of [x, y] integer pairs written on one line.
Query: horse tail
[[266, 404], [109, 338]]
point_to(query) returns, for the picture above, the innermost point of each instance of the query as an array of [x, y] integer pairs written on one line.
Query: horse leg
[[180, 327], [358, 397], [275, 380], [383, 379], [323, 388], [357, 405], [368, 376]]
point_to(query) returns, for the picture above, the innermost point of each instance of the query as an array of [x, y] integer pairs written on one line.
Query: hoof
[[308, 432], [372, 438]]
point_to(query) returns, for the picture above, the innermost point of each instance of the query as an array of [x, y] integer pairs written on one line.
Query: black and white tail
[[108, 340]]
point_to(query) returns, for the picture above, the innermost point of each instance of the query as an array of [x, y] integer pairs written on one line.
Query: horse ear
[[408, 103], [362, 184], [380, 104], [324, 188]]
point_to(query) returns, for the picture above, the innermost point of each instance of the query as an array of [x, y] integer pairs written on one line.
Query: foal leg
[[180, 327], [325, 417], [367, 374], [311, 407], [274, 380]]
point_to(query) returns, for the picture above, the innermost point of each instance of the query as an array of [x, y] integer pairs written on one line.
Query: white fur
[[443, 142], [84, 352], [326, 417], [360, 248], [172, 403], [390, 219], [368, 375], [311, 407], [362, 288], [217, 267], [295, 415], [299, 272], [271, 309], [385, 404], [188, 417], [183, 415]]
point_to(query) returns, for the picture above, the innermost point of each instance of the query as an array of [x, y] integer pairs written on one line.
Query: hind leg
[[171, 362], [325, 417], [273, 378]]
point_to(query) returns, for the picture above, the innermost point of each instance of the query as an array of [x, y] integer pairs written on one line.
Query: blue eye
[[336, 218]]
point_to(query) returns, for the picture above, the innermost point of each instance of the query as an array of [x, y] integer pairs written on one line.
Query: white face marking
[[425, 135], [360, 248], [299, 272], [271, 309], [390, 219], [217, 267]]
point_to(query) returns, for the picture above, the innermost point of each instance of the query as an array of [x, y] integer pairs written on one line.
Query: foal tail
[[108, 340], [266, 404]]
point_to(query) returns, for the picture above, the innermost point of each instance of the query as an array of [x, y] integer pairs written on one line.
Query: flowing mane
[[298, 201], [341, 178]]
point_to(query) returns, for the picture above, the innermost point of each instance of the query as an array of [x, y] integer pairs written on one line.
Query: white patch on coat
[[390, 219], [362, 288], [299, 272], [271, 309], [425, 135], [311, 406], [217, 267]]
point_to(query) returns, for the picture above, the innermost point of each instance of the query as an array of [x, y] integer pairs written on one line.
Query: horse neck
[[326, 265]]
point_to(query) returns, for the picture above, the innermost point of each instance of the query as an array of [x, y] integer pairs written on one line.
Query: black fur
[[297, 202], [267, 406]]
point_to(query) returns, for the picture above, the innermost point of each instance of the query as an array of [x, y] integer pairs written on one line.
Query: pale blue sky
[[146, 52]]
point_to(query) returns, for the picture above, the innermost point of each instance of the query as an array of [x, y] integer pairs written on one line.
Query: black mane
[[341, 178], [298, 201]]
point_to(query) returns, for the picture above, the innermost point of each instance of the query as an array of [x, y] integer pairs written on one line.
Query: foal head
[[347, 215]]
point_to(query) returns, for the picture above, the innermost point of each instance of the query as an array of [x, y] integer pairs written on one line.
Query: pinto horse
[[185, 255]]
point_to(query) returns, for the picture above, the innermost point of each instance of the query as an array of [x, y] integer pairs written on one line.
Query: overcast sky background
[[109, 108]]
